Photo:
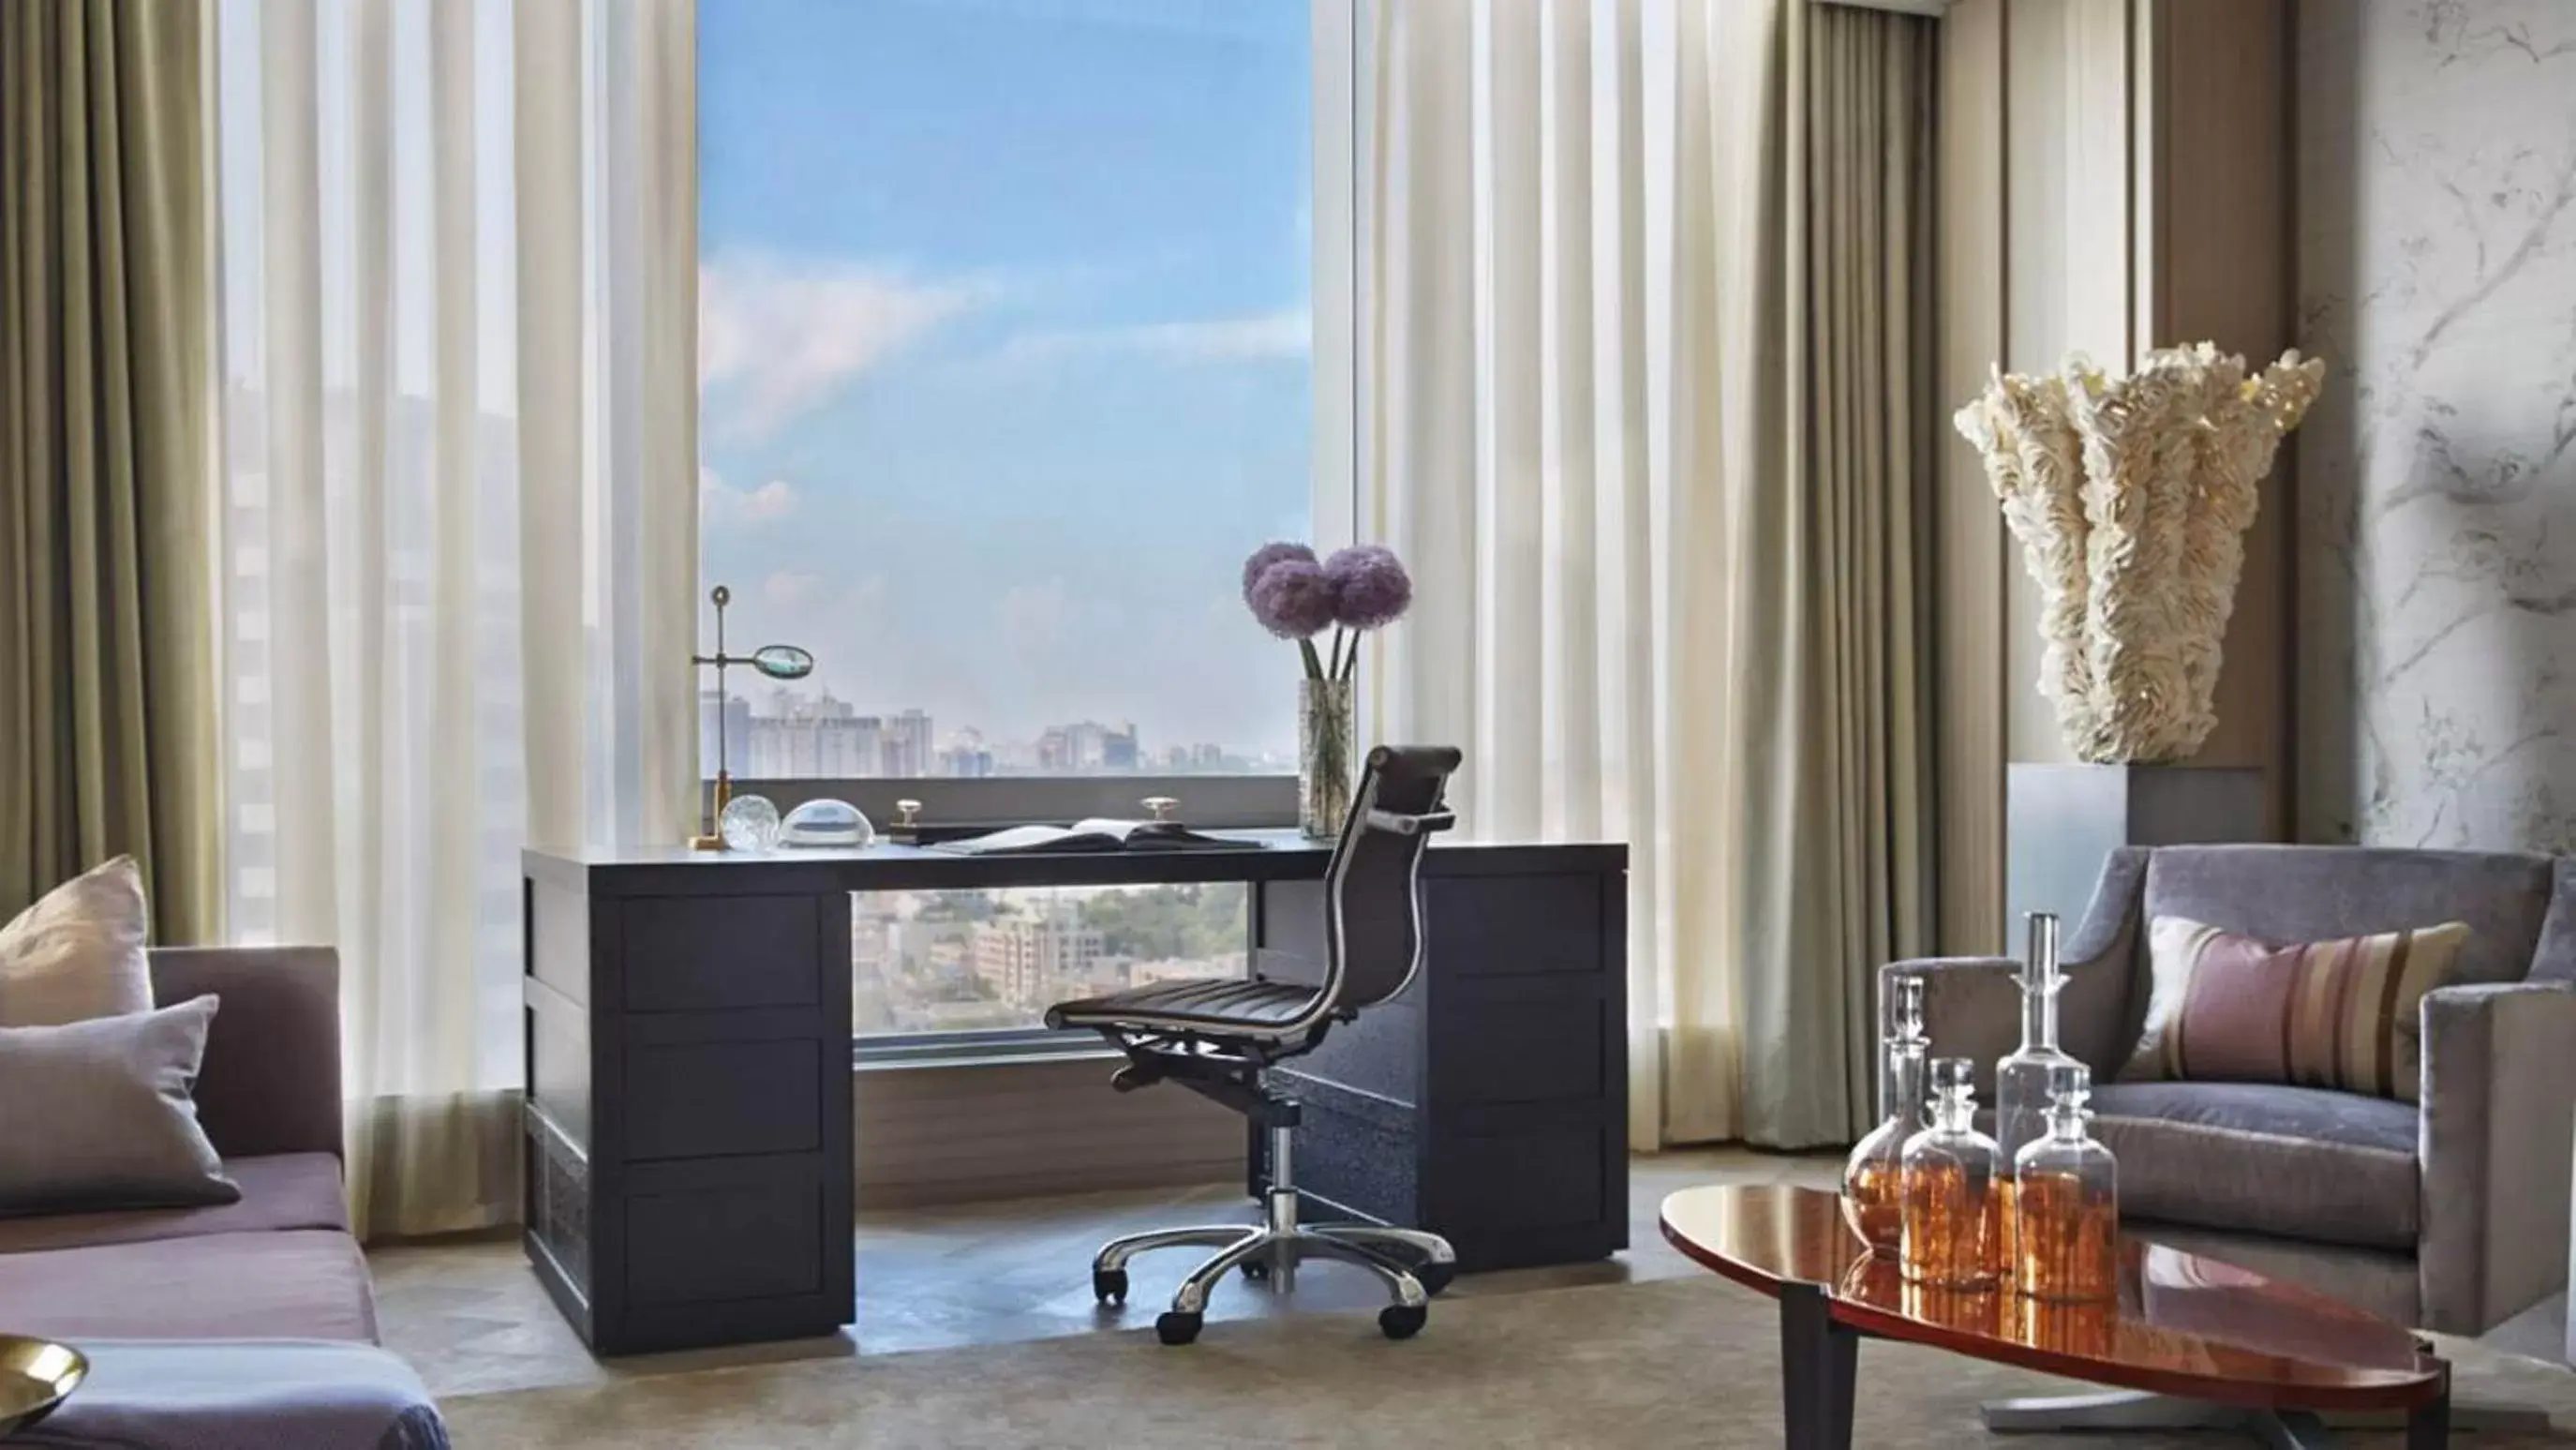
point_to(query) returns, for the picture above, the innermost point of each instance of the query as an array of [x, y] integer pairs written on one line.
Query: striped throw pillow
[[2332, 1014]]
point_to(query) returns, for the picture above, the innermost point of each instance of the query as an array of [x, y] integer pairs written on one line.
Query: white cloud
[[1263, 337], [721, 504], [785, 334], [787, 589]]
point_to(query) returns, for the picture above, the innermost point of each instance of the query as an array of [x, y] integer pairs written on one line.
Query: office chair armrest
[[1410, 825]]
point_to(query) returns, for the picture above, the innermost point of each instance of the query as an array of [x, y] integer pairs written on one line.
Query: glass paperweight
[[827, 823], [1873, 1177], [749, 823], [2023, 1076], [1952, 1234], [2067, 1200]]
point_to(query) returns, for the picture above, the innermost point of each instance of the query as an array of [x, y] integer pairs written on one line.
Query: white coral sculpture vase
[[2131, 497]]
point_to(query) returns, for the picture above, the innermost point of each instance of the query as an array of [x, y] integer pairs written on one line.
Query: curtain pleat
[[460, 564], [1646, 320], [107, 704]]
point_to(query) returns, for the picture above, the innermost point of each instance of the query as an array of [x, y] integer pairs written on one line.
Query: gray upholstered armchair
[[2450, 1216]]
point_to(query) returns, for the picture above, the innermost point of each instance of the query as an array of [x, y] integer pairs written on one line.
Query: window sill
[[981, 1050]]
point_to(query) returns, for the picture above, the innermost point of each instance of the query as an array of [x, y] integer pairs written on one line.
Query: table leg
[[2429, 1428], [1817, 1360]]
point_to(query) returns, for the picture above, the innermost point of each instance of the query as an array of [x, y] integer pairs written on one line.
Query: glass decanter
[[1873, 1175], [2066, 1191], [2022, 1077], [1953, 1177]]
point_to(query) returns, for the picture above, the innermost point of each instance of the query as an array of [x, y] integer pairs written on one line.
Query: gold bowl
[[35, 1376]]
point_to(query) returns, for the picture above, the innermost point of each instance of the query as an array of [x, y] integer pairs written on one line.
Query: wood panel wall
[[2115, 177]]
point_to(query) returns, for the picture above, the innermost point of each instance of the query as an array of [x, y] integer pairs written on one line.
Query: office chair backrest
[[1372, 904]]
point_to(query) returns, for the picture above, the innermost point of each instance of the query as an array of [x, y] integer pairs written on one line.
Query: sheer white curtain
[[457, 242], [1581, 268]]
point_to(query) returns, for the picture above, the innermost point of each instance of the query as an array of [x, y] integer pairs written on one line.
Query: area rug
[[1685, 1362]]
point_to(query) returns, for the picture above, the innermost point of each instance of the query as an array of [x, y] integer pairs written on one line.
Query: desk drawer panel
[[1518, 1048], [712, 1099], [1532, 1175], [1502, 926], [695, 953], [751, 1240]]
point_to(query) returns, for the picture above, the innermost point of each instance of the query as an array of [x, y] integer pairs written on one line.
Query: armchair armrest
[[271, 1079], [1972, 1005], [2499, 1107]]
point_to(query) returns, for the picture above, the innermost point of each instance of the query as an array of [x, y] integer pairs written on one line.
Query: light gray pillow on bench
[[97, 1115]]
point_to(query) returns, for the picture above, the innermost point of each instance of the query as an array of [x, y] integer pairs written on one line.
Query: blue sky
[[1004, 314]]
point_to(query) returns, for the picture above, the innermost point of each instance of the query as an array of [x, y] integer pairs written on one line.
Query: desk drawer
[[726, 1099], [1526, 1043], [703, 953], [1507, 926]]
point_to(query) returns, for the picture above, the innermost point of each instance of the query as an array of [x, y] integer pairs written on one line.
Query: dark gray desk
[[688, 1049]]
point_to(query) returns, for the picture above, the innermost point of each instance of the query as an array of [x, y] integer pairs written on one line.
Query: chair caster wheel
[[1174, 1327], [1435, 1277], [1109, 1286], [1257, 1270], [1402, 1321]]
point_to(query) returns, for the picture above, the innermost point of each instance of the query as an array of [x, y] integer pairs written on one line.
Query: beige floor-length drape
[[107, 705], [1636, 410], [460, 560]]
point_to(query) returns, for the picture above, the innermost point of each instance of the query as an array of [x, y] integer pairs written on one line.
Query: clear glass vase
[[1953, 1231], [1873, 1177], [2066, 1192], [1323, 756], [2023, 1076]]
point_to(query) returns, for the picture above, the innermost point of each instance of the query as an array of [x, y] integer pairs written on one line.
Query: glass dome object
[[749, 823], [2066, 1194], [1952, 1233], [820, 824], [1873, 1175]]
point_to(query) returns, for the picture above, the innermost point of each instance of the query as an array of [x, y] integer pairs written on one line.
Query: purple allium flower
[[1292, 598], [1370, 587], [1267, 555]]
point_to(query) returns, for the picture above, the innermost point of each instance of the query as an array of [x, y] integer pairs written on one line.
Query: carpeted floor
[[1688, 1362]]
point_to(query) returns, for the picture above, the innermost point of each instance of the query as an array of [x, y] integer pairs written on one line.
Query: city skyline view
[[961, 961], [786, 734], [1004, 356]]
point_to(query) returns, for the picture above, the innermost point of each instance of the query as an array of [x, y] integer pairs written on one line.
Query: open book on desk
[[1095, 835]]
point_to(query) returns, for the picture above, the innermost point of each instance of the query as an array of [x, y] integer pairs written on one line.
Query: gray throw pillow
[[97, 1115]]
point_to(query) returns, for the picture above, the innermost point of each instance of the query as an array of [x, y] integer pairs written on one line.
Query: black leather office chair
[[1215, 1036]]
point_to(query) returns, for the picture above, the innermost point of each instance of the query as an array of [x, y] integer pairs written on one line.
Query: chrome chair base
[[1412, 1264]]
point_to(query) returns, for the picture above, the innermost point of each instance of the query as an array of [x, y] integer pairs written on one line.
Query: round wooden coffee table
[[2194, 1342]]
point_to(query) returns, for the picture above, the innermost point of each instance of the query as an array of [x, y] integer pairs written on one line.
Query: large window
[[1007, 359], [1009, 339]]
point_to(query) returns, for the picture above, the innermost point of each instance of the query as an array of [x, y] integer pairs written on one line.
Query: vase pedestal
[[2062, 821]]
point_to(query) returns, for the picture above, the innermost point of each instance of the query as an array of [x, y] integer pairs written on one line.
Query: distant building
[[1030, 960], [1086, 748], [726, 717], [907, 751]]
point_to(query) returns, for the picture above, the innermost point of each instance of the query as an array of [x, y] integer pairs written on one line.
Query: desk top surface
[[1266, 855]]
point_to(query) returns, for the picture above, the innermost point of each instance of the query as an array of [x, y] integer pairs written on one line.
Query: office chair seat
[[1202, 1004]]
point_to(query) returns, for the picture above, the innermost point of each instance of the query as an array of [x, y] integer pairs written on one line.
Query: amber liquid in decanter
[[2066, 1244], [1874, 1176], [1952, 1230]]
